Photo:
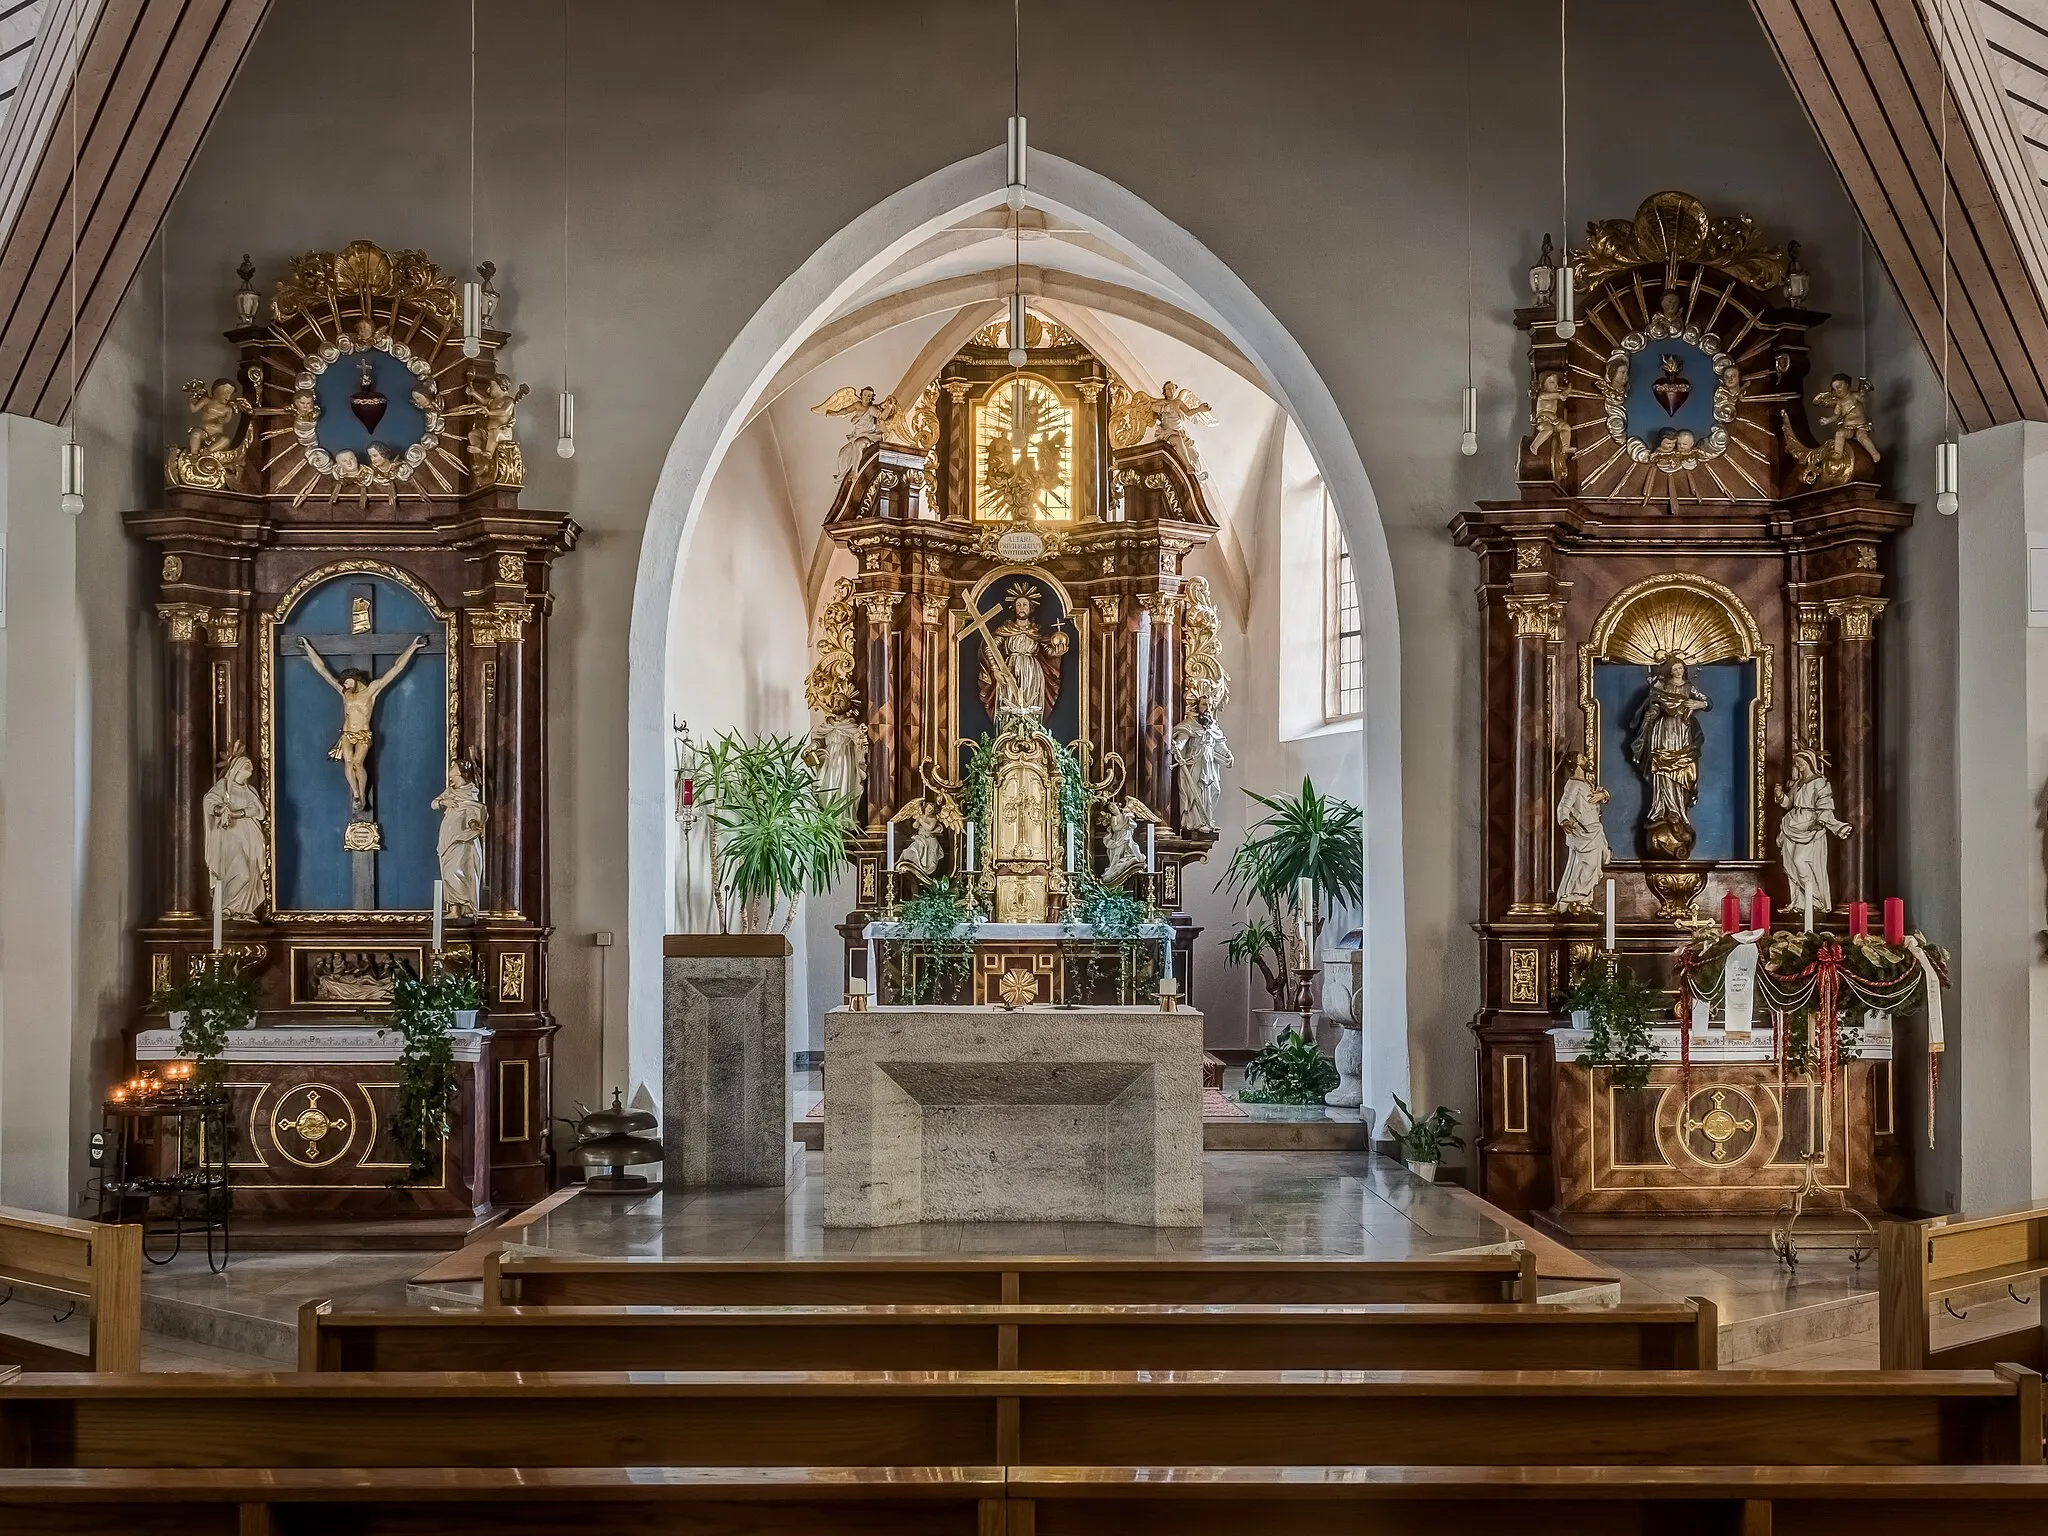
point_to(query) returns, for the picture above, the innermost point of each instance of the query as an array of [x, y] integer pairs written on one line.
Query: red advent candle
[[1859, 919], [1731, 913], [689, 792], [1760, 910], [1894, 921]]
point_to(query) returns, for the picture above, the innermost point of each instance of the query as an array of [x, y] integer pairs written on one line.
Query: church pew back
[[96, 1265], [1033, 1501], [1057, 1279], [1427, 1337], [978, 1419]]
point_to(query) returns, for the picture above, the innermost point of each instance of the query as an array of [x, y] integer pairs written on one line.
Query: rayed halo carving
[[1651, 370], [363, 415]]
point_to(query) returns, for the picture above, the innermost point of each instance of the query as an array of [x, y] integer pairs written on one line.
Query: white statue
[[233, 814], [461, 845], [1809, 806], [838, 754], [1201, 754], [358, 692], [921, 855], [1585, 838], [1122, 857], [1166, 415], [867, 422]]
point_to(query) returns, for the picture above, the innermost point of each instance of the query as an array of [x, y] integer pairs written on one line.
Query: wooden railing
[[511, 1277], [1956, 1264], [1054, 1500], [967, 1419], [96, 1266], [974, 1338]]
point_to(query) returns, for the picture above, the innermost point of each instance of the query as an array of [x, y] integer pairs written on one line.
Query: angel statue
[[1585, 838], [867, 422], [838, 755], [1809, 806], [1167, 415], [1122, 855], [1845, 414], [1021, 676], [1201, 754], [233, 812], [927, 815], [493, 450], [1551, 440], [216, 445]]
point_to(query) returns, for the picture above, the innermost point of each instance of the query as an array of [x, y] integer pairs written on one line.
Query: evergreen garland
[[423, 1012], [218, 997], [938, 924], [1618, 1006], [977, 779]]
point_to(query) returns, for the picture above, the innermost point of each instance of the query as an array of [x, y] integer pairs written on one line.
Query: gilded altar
[[354, 612], [1679, 618], [1005, 687]]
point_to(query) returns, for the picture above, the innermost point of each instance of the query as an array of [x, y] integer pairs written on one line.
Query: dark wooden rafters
[[1869, 74], [151, 74]]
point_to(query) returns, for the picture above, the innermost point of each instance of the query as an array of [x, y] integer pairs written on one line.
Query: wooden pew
[[1047, 1501], [97, 1266], [971, 1338], [1272, 1418], [1965, 1262], [536, 1280]]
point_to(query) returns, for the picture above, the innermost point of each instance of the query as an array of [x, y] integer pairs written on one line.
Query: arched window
[[1343, 630]]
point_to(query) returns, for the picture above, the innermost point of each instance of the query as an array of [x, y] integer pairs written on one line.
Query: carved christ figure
[[358, 692], [1028, 683]]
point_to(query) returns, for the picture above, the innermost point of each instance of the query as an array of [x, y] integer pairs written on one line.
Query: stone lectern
[[725, 1060], [1042, 1114]]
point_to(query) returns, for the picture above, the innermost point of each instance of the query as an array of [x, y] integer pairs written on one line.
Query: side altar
[[1018, 690], [354, 608], [1679, 631]]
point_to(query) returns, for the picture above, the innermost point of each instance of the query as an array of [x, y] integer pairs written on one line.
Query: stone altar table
[[1042, 1114]]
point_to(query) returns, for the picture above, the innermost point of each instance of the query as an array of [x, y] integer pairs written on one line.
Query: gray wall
[[1320, 149]]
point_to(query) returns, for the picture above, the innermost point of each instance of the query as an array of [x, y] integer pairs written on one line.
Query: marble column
[[1852, 743], [1536, 620], [188, 715]]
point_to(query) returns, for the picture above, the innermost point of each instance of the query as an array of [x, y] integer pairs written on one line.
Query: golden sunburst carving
[[1690, 618]]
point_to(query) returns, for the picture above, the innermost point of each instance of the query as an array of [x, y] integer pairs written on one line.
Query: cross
[[359, 647]]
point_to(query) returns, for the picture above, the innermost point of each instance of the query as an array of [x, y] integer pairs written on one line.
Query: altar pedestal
[[725, 1060], [311, 1107], [1043, 1114], [1711, 1162]]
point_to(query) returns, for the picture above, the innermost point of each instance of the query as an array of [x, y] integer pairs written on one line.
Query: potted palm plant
[[774, 836], [1422, 1143], [1310, 837]]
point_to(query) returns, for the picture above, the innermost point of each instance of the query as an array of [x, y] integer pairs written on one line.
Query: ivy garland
[[1114, 916], [218, 997], [1618, 1006], [938, 923], [423, 1012]]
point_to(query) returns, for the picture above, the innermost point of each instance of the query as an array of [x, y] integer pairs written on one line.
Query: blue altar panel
[[408, 753], [1647, 418], [1065, 723], [1721, 815], [339, 430]]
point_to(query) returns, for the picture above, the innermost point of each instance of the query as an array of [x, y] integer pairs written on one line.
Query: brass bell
[[610, 1140]]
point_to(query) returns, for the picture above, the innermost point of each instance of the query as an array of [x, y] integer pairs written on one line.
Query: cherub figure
[[1551, 441], [217, 412], [494, 405], [1122, 857], [867, 422], [1167, 415], [927, 816], [1846, 416]]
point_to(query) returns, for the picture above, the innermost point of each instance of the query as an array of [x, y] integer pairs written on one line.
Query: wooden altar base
[[1824, 1229]]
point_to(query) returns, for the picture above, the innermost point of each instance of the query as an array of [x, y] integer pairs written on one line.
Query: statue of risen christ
[[358, 693]]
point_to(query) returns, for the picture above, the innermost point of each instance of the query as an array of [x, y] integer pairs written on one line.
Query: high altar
[[1679, 616], [1021, 641], [354, 608]]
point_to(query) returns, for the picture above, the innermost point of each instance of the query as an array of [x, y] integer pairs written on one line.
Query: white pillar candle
[[219, 915], [970, 847], [889, 858], [1166, 962], [1070, 847], [1151, 848], [1610, 915], [1809, 911], [440, 901]]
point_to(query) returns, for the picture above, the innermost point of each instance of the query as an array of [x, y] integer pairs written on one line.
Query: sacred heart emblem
[[368, 401], [1671, 387]]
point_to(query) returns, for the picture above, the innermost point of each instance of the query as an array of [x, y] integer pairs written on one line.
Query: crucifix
[[358, 686]]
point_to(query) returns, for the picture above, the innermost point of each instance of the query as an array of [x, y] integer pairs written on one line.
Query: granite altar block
[[1037, 1114], [725, 1060]]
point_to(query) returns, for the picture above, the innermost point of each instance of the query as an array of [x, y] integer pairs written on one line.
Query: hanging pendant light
[[1018, 356], [71, 478], [1468, 440], [1567, 321], [1015, 176], [565, 441], [1947, 477], [472, 318]]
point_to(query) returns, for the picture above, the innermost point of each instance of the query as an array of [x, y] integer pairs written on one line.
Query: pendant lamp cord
[[1947, 405], [1564, 141], [71, 406], [565, 196], [472, 132], [1468, 218], [1017, 110]]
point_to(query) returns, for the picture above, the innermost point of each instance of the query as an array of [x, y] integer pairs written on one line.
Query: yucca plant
[[1310, 836], [775, 835]]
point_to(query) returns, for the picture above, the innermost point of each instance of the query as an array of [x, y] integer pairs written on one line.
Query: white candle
[[970, 847], [1610, 915], [440, 900], [1166, 964], [1070, 847], [889, 859], [1151, 848], [1809, 911], [219, 914]]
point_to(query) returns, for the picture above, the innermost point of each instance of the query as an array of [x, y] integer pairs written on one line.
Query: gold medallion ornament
[[302, 1135], [1720, 1124], [1019, 988]]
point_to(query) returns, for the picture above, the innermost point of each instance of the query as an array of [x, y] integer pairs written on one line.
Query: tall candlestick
[[1760, 911], [1151, 848], [440, 901], [1859, 919], [1610, 915], [219, 914], [1809, 911], [1894, 921], [1731, 913]]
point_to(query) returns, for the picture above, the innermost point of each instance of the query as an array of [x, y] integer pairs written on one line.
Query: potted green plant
[[776, 835], [1287, 1079], [1309, 837], [1422, 1143], [204, 1008], [1616, 1007]]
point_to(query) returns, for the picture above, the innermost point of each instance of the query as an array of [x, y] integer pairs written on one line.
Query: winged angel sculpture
[[867, 422], [927, 815], [1167, 414]]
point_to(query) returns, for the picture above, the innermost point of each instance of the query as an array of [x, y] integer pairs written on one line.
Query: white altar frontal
[[1037, 1114]]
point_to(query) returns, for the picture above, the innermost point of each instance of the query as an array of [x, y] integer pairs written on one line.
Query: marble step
[[1821, 1322], [244, 1333]]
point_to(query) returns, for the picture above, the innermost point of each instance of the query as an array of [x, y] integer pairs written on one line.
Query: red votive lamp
[[1859, 919], [1760, 910], [689, 792], [1731, 913], [1895, 921]]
